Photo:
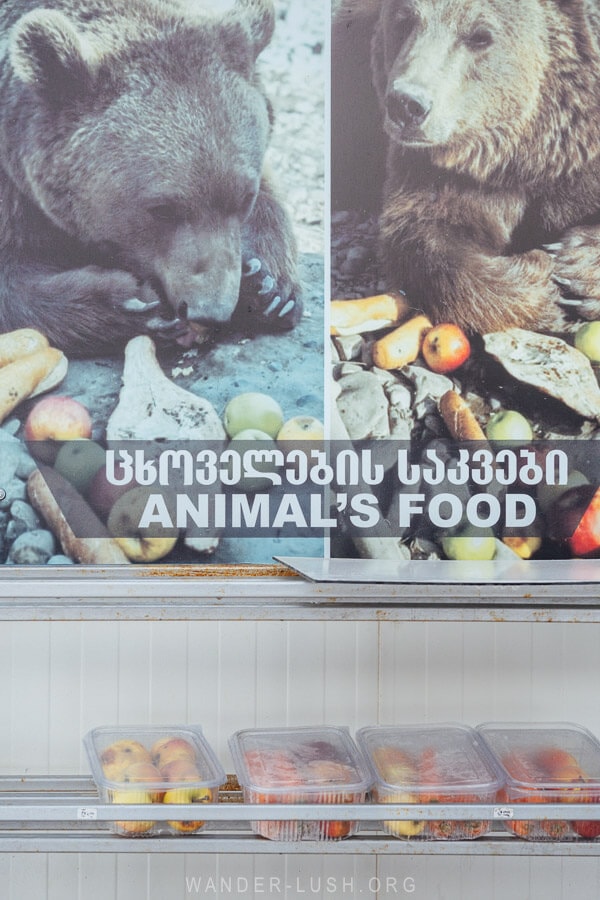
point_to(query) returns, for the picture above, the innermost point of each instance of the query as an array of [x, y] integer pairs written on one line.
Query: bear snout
[[407, 105]]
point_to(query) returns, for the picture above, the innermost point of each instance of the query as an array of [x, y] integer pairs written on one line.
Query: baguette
[[21, 378], [349, 317], [81, 534], [22, 342]]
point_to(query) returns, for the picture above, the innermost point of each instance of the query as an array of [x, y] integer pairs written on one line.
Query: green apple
[[470, 544], [78, 461], [508, 425], [301, 428], [587, 340], [548, 494], [253, 410]]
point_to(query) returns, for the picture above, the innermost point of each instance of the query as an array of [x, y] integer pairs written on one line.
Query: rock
[[348, 346], [59, 559], [15, 490], [363, 406], [33, 548], [25, 466], [23, 518]]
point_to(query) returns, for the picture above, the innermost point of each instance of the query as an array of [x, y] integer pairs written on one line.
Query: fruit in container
[[171, 747], [118, 756], [300, 765], [128, 796], [178, 771]]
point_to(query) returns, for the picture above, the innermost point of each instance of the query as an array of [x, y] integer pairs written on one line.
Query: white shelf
[[44, 815]]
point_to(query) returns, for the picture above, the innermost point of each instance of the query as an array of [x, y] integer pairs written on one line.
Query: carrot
[[402, 345], [366, 314], [19, 379]]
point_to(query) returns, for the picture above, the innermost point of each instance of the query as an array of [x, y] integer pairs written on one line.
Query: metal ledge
[[568, 592], [51, 815]]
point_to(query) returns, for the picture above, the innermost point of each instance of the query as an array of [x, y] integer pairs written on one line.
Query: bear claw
[[259, 295], [134, 304]]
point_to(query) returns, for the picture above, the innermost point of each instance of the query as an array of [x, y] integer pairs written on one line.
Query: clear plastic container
[[153, 764], [546, 762], [304, 764], [438, 763]]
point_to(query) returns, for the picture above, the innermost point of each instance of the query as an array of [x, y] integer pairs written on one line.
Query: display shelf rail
[[569, 593], [65, 815]]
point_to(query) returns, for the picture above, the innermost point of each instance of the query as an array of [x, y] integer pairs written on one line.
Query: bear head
[[146, 144], [467, 79]]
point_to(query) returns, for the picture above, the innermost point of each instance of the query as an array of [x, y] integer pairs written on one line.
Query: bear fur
[[132, 142], [491, 110]]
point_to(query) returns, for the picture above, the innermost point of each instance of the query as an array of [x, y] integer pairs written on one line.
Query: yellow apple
[[132, 797], [253, 410], [138, 544], [117, 757], [172, 747], [146, 549], [301, 428], [144, 773], [187, 795], [403, 827]]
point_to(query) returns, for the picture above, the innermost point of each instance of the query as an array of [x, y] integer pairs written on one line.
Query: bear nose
[[407, 107]]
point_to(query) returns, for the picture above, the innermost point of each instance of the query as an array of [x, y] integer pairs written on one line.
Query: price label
[[87, 813], [503, 812]]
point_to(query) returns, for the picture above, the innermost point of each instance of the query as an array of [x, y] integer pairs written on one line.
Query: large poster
[[465, 256], [264, 293], [162, 193]]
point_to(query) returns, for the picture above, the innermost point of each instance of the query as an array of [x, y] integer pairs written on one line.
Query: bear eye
[[479, 39], [166, 212]]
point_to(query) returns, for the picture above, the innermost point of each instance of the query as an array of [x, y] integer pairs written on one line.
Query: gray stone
[[34, 548], [24, 517], [59, 559], [363, 406]]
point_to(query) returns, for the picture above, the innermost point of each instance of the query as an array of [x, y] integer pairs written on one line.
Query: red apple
[[575, 520], [55, 419], [445, 348]]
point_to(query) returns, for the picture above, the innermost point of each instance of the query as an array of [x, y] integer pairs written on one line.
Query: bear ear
[[259, 16], [46, 52]]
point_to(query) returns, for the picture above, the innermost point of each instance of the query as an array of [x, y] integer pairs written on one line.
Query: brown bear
[[132, 142], [491, 109]]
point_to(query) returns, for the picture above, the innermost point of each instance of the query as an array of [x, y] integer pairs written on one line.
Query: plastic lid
[[304, 758], [544, 754], [444, 757], [108, 747]]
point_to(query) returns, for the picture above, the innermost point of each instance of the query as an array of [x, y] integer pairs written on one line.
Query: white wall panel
[[61, 679]]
